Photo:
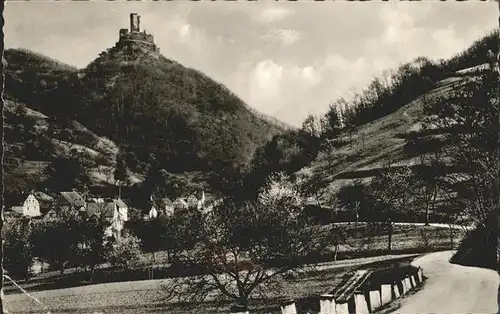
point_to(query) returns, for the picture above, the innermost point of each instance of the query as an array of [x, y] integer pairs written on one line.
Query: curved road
[[451, 288]]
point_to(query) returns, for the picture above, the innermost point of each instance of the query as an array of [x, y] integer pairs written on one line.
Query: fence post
[[375, 301], [288, 307], [342, 308], [385, 294], [361, 303], [413, 280], [396, 291], [420, 275], [408, 283], [327, 304]]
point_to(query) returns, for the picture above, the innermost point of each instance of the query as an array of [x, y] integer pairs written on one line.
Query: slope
[[153, 110], [368, 148]]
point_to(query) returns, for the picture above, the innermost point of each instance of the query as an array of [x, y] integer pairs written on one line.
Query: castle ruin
[[134, 35]]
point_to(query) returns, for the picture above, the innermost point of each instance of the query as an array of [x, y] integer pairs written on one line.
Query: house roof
[[12, 214], [73, 198], [107, 209], [41, 196], [165, 201], [18, 209], [192, 200], [209, 198], [180, 201]]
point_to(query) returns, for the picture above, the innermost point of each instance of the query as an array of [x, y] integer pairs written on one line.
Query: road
[[452, 288]]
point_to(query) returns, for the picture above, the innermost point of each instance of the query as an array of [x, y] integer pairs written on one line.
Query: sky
[[285, 59]]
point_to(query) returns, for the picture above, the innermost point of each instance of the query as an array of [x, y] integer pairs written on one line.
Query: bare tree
[[468, 119], [247, 249], [392, 194]]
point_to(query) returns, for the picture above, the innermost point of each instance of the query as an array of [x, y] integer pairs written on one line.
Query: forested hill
[[383, 125], [156, 112]]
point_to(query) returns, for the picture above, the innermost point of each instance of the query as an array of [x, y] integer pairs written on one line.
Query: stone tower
[[134, 22], [134, 36]]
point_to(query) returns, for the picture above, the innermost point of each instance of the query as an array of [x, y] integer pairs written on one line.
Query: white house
[[122, 209], [153, 213], [201, 201], [30, 207]]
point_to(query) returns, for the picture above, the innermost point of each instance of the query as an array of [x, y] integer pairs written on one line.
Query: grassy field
[[149, 296], [131, 291], [361, 243], [374, 144]]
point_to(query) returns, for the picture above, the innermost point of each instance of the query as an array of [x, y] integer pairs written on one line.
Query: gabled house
[[70, 201], [165, 206], [45, 201], [30, 207], [192, 202], [161, 206], [112, 212], [180, 204], [210, 203]]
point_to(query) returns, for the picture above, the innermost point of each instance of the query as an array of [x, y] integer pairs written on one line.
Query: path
[[452, 288]]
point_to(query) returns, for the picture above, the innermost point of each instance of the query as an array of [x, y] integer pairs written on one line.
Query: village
[[37, 205]]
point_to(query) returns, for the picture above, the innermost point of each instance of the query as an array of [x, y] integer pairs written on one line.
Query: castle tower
[[134, 22]]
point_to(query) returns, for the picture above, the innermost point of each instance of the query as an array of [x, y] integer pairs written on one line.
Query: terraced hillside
[[379, 143]]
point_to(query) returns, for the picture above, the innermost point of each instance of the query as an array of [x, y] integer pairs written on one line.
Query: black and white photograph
[[251, 157]]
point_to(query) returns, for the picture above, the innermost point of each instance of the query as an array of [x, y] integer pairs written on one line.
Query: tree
[[120, 173], [392, 195], [92, 246], [313, 126], [56, 241], [66, 173], [314, 185], [427, 185], [332, 121], [468, 118], [329, 149], [354, 198], [280, 191], [247, 248], [124, 253], [17, 248]]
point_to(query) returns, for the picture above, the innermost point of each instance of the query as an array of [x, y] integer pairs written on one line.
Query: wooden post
[[288, 307]]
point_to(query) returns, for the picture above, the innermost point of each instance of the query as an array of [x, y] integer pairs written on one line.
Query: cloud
[[266, 80], [286, 37], [276, 88], [274, 14], [281, 59]]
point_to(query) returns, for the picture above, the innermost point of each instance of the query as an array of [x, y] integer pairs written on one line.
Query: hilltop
[[130, 102], [134, 104]]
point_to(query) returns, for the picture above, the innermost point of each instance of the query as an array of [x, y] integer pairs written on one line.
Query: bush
[[125, 252]]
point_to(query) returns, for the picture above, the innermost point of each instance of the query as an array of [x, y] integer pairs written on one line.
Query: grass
[[148, 296], [377, 143], [360, 244]]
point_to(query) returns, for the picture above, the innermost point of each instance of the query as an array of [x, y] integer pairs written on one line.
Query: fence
[[353, 298]]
